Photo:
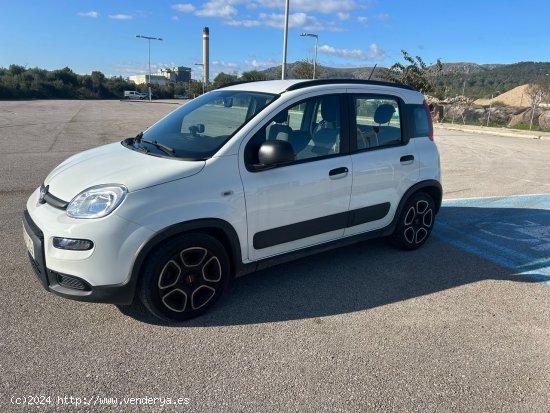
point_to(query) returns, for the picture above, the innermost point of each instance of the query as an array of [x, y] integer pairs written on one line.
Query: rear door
[[385, 163]]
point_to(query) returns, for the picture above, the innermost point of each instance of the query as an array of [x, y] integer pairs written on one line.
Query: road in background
[[364, 328], [475, 165]]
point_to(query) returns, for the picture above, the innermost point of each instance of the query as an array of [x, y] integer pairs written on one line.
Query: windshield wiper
[[164, 148]]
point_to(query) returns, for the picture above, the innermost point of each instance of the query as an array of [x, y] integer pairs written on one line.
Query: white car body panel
[[115, 164], [293, 194], [379, 177], [116, 242]]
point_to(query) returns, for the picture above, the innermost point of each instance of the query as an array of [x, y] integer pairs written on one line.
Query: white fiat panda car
[[241, 178]]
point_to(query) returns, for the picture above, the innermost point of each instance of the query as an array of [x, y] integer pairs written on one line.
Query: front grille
[[71, 282]]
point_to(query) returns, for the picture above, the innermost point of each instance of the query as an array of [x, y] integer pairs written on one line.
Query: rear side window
[[378, 121]]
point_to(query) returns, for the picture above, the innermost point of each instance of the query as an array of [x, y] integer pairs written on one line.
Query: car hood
[[115, 164]]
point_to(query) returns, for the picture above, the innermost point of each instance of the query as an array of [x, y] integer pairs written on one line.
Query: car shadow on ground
[[468, 245]]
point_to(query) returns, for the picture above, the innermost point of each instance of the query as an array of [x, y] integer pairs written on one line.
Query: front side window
[[312, 128], [378, 122], [201, 127]]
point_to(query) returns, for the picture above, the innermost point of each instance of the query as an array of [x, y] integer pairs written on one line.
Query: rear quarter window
[[421, 121]]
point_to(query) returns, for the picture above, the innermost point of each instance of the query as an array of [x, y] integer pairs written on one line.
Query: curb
[[146, 101], [495, 131]]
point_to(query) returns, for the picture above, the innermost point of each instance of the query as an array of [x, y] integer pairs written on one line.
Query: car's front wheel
[[415, 223], [184, 277]]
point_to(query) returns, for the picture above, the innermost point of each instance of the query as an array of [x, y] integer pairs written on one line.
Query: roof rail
[[309, 83]]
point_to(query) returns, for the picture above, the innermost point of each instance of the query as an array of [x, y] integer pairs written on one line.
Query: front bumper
[[67, 285]]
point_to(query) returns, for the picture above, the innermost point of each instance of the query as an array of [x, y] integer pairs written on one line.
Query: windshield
[[201, 127]]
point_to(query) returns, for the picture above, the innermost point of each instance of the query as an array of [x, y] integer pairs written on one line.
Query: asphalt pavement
[[461, 325]]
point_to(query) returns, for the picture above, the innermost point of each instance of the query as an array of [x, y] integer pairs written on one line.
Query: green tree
[[303, 69], [538, 92], [414, 72], [195, 89], [252, 75], [223, 79]]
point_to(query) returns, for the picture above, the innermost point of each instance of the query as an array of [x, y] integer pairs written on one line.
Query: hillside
[[471, 79], [515, 97]]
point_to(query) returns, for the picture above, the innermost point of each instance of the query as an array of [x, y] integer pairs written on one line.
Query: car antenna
[[372, 71]]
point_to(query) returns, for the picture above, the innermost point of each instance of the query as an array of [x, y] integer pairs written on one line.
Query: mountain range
[[471, 79]]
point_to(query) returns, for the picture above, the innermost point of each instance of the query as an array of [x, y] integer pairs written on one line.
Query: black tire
[[184, 277], [415, 223]]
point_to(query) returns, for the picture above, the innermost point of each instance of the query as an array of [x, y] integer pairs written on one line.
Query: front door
[[305, 202]]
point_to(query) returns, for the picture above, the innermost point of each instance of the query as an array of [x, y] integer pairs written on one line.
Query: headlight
[[97, 201]]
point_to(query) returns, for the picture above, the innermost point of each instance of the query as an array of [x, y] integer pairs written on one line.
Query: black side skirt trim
[[293, 232]]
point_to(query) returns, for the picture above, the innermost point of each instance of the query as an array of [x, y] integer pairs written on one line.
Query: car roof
[[263, 86], [280, 86]]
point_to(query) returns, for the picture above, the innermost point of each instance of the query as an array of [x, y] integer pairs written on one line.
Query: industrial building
[[180, 73], [165, 76]]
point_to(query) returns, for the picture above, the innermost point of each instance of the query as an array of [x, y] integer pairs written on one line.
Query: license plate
[[28, 242]]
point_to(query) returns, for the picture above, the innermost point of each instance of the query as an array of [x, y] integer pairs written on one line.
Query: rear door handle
[[338, 171], [407, 159]]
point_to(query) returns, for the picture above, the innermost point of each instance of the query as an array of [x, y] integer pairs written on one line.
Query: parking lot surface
[[461, 325]]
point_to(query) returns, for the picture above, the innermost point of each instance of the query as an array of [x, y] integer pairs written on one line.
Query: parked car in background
[[132, 94]]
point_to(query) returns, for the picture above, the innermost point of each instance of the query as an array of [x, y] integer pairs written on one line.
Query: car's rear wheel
[[184, 277], [415, 223]]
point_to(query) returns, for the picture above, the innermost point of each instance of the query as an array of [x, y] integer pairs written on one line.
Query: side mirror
[[228, 102], [195, 129], [275, 153]]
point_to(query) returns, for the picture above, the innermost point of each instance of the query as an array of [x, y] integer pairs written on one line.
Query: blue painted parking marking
[[513, 232]]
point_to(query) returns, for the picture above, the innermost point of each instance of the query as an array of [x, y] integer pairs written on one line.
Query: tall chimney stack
[[205, 54]]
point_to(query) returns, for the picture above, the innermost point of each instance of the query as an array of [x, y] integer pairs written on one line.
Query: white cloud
[[343, 16], [244, 23], [382, 16], [183, 7], [362, 19], [120, 17], [237, 68], [92, 13], [175, 18], [217, 8], [375, 53], [260, 64], [324, 6], [296, 20]]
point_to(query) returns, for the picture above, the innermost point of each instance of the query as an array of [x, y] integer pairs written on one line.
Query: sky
[[88, 35]]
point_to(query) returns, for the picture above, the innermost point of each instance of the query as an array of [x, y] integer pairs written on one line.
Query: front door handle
[[338, 171], [407, 159]]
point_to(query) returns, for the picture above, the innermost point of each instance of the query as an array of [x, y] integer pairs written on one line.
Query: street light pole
[[149, 38], [316, 44], [283, 69], [202, 65]]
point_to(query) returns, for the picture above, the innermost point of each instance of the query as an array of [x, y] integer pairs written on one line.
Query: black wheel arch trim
[[206, 225], [431, 186]]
